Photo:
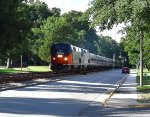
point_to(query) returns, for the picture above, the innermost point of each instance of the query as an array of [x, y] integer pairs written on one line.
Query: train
[[67, 57]]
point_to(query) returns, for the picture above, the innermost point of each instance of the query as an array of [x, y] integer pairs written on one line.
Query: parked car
[[125, 70]]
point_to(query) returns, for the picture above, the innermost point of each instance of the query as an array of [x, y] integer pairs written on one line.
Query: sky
[[82, 5], [68, 5]]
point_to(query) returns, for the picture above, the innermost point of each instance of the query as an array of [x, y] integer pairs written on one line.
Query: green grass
[[28, 69], [146, 82], [145, 90], [38, 68], [9, 70], [145, 97]]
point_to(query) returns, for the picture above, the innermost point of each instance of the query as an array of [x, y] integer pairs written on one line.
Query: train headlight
[[65, 58], [59, 56], [54, 58]]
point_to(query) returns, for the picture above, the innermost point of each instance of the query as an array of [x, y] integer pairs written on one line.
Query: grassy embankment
[[28, 69], [145, 97]]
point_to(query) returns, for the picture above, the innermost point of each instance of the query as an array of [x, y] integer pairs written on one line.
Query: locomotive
[[66, 57]]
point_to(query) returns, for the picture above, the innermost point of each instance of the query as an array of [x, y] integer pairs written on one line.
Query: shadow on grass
[[10, 70], [146, 84], [28, 69]]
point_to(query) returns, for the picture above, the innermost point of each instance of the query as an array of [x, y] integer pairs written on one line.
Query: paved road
[[68, 97], [122, 104], [95, 110]]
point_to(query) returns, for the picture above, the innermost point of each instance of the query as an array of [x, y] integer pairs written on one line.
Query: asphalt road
[[95, 110], [69, 97]]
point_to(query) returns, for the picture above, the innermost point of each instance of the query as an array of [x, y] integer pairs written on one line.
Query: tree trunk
[[141, 58], [147, 67], [8, 63]]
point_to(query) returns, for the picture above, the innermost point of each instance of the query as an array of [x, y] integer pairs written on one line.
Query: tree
[[38, 12], [14, 26], [53, 31], [106, 13], [124, 58], [107, 47], [9, 26], [147, 51], [72, 27], [132, 45], [80, 23]]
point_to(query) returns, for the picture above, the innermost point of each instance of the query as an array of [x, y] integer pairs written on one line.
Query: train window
[[64, 48], [74, 48], [84, 51], [79, 50], [93, 59], [79, 60]]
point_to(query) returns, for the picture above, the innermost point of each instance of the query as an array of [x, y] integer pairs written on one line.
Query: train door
[[82, 58], [76, 57], [85, 56]]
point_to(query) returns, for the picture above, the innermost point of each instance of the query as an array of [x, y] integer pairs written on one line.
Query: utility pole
[[114, 61], [21, 63], [137, 67], [141, 58]]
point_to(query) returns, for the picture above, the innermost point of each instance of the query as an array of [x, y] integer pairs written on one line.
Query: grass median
[[145, 90], [28, 69]]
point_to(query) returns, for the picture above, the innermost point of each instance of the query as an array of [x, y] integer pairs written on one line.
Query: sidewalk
[[123, 102], [126, 95]]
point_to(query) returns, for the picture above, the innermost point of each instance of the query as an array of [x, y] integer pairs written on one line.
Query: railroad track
[[6, 78], [19, 77], [13, 81]]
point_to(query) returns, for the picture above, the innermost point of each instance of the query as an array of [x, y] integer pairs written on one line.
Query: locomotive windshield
[[60, 48]]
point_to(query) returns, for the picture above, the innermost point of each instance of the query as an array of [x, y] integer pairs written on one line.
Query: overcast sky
[[68, 5], [81, 5]]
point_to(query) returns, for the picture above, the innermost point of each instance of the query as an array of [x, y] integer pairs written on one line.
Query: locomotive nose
[[65, 59], [59, 55], [60, 58]]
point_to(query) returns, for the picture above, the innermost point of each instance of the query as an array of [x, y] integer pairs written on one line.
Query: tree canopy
[[29, 28], [131, 45], [72, 27], [106, 13], [135, 14], [14, 25]]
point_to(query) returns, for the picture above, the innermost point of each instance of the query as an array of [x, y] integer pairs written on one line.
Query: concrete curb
[[106, 95], [24, 85], [29, 84], [33, 83], [131, 106], [111, 91], [129, 101], [140, 106]]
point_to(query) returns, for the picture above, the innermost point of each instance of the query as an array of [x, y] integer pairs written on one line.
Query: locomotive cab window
[[61, 48]]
